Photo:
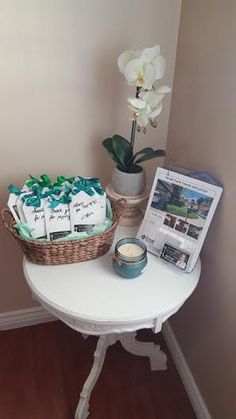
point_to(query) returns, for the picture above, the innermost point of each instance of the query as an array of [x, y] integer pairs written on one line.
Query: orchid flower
[[140, 73], [143, 68], [148, 105], [153, 57], [125, 58]]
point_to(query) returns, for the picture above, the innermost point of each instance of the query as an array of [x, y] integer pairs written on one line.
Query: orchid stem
[[134, 123], [133, 131]]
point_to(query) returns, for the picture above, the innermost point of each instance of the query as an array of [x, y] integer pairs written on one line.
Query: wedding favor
[[15, 202], [53, 210], [87, 211], [12, 200], [35, 219], [57, 220]]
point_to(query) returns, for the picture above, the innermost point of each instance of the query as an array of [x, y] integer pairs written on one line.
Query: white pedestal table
[[90, 298]]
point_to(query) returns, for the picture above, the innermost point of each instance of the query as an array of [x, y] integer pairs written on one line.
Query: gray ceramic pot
[[128, 184]]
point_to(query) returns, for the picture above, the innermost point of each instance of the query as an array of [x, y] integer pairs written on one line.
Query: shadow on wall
[[110, 101], [14, 293]]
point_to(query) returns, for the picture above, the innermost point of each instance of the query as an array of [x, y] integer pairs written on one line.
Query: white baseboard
[[37, 315], [21, 318], [184, 371]]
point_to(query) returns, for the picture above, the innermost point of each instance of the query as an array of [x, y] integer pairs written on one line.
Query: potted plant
[[141, 69]]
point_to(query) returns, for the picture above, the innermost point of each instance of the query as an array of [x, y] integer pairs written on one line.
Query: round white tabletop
[[91, 298]]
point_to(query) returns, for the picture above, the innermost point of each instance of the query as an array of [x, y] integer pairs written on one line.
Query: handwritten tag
[[35, 219], [87, 210], [57, 221]]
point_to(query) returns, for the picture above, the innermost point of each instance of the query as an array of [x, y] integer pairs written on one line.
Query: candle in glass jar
[[130, 250], [130, 257]]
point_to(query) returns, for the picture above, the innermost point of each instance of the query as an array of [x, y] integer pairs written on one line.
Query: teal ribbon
[[64, 199], [14, 189], [34, 198], [62, 179], [89, 186], [43, 181]]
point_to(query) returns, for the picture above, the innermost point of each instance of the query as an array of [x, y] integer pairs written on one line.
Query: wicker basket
[[68, 251]]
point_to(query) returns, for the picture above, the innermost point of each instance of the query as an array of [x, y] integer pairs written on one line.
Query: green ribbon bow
[[44, 181], [34, 198], [89, 186], [65, 199], [62, 179], [14, 189]]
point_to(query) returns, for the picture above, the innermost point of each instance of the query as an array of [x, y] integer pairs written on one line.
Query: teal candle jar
[[130, 257]]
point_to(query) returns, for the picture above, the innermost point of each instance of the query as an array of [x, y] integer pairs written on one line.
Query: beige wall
[[61, 94], [202, 136]]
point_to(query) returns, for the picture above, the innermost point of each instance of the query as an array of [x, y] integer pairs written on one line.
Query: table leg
[[104, 342], [157, 357]]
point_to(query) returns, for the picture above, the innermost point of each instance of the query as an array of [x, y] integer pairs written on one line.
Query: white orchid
[[153, 57], [148, 105], [139, 111], [142, 68], [125, 58], [140, 73]]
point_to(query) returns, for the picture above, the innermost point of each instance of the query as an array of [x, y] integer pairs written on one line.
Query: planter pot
[[128, 184]]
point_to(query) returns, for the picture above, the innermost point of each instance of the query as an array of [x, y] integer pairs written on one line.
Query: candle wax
[[130, 250]]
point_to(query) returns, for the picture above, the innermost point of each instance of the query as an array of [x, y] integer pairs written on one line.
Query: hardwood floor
[[43, 368]]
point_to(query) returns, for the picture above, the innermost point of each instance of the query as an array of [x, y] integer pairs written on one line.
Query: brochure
[[178, 215]]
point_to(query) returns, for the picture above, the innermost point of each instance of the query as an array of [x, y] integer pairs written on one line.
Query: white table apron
[[90, 298]]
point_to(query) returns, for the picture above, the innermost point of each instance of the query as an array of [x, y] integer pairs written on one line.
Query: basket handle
[[8, 221], [121, 207]]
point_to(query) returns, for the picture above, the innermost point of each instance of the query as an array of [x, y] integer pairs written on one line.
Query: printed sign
[[178, 215]]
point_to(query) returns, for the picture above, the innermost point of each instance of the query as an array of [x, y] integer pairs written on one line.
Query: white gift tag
[[35, 220], [57, 221], [15, 204], [12, 200], [19, 204], [87, 210]]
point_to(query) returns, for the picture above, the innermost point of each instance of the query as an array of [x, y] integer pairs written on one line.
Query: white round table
[[90, 298]]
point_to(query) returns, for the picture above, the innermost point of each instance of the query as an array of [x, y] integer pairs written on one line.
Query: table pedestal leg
[[82, 410], [153, 352], [157, 357]]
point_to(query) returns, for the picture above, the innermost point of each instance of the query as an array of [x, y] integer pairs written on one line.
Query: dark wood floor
[[42, 370]]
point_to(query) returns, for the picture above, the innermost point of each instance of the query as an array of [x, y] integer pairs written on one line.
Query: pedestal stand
[[128, 340], [134, 214]]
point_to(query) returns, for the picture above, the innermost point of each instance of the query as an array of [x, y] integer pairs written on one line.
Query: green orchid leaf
[[122, 149], [148, 155], [139, 153], [107, 143], [135, 168], [143, 151]]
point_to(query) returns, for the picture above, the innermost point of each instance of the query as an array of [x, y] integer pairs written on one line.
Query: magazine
[[178, 215]]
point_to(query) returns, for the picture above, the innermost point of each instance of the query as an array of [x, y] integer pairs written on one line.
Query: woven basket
[[59, 253]]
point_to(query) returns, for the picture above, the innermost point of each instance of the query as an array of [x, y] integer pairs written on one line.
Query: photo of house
[[170, 220], [186, 204], [181, 226]]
